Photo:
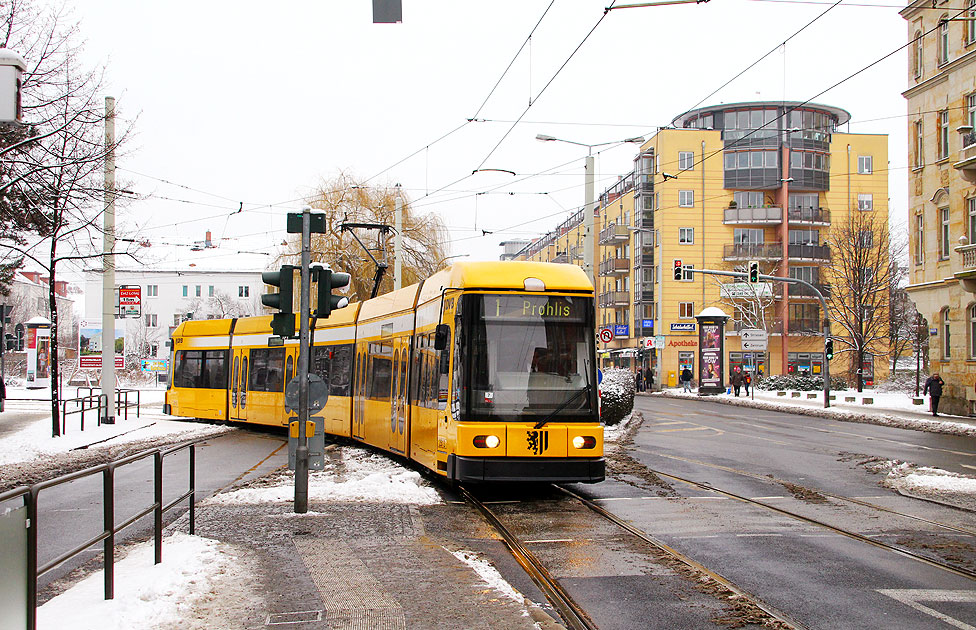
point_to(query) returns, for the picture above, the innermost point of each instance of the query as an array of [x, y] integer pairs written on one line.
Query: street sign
[[647, 343], [606, 335], [659, 342], [760, 344], [130, 300], [754, 334]]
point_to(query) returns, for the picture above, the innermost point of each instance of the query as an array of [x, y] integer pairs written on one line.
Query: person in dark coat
[[686, 379], [933, 386], [639, 380], [3, 393], [746, 381], [736, 381], [648, 379]]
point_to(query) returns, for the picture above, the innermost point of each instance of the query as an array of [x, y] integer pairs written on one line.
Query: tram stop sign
[[318, 393]]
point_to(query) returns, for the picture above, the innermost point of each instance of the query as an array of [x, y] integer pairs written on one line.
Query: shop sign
[[683, 327]]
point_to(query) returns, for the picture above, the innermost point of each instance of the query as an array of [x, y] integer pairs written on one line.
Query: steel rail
[[839, 530], [571, 612], [677, 555], [881, 508]]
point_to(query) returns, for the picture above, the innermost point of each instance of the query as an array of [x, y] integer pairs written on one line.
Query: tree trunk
[[55, 364]]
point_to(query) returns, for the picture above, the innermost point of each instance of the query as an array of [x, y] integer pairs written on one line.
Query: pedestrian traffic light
[[829, 349], [325, 301], [283, 323], [753, 271], [677, 270]]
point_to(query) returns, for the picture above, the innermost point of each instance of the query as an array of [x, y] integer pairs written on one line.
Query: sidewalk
[[889, 409]]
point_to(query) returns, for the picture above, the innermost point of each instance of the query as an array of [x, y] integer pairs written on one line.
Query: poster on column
[[90, 345], [711, 355], [38, 355]]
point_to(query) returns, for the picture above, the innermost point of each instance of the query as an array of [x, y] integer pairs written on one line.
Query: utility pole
[[301, 452], [589, 235], [108, 267], [398, 240]]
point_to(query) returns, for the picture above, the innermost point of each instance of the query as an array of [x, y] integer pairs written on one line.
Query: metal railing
[[809, 215], [122, 401], [765, 215], [753, 251], [809, 252], [91, 402], [614, 266], [110, 528]]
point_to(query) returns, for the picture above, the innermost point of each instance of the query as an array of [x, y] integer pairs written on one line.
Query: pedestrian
[[3, 393], [686, 379], [747, 381], [639, 380], [648, 379], [933, 386], [736, 381]]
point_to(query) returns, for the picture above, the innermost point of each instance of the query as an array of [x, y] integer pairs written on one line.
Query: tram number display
[[518, 307]]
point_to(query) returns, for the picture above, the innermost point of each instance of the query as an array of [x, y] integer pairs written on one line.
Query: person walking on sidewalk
[[3, 393], [933, 386], [747, 381], [686, 379], [639, 380], [736, 381]]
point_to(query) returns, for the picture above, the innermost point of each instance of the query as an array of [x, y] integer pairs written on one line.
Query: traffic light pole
[[823, 306], [301, 452]]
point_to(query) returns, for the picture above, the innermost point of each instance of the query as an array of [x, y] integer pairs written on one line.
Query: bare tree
[[345, 200], [57, 177], [860, 272], [751, 304]]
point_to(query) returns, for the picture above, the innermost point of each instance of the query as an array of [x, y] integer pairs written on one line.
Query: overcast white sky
[[255, 102]]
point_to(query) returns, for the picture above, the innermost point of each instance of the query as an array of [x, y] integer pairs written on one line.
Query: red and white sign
[[95, 362], [606, 335], [130, 300]]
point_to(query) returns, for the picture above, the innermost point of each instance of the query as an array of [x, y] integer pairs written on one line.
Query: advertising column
[[711, 351], [38, 353]]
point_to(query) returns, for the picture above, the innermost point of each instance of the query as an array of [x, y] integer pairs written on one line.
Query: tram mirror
[[441, 335]]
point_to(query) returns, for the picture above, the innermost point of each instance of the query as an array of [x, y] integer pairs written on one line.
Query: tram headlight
[[486, 441], [584, 441]]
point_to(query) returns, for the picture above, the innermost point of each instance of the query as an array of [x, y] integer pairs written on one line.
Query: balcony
[[614, 267], [644, 293], [614, 234], [808, 216], [753, 251], [807, 253], [644, 260], [576, 252], [615, 299], [967, 155], [806, 327], [967, 273], [561, 257], [770, 215]]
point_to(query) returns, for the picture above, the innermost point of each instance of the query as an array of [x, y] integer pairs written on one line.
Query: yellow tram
[[483, 372]]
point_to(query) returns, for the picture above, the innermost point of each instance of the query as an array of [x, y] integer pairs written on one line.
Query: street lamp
[[589, 235]]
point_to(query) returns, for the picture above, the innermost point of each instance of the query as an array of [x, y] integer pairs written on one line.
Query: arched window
[[946, 347], [944, 39], [917, 54], [971, 329]]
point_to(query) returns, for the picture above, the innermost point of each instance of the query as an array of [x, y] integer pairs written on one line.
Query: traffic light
[[328, 280], [678, 273], [283, 323], [753, 271], [829, 349]]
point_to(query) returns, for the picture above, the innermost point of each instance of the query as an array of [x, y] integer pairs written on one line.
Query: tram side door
[[238, 385], [359, 397], [398, 400]]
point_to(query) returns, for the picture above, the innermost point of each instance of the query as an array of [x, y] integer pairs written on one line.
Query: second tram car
[[483, 372]]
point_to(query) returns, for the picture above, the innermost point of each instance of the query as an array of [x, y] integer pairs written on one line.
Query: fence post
[[108, 520], [158, 512], [32, 559], [138, 401], [193, 486]]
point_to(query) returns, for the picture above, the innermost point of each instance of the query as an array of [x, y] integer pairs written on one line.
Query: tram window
[[380, 377], [205, 369], [289, 368], [244, 374], [267, 370], [234, 374], [340, 372]]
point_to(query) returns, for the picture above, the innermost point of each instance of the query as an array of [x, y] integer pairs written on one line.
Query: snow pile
[[488, 574], [613, 434], [357, 476], [193, 573], [924, 482]]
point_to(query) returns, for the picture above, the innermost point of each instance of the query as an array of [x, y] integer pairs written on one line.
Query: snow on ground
[[928, 483], [357, 476], [35, 440], [194, 572], [894, 409], [489, 574]]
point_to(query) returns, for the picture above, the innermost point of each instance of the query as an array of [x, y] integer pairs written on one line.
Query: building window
[[865, 202], [177, 319], [686, 236], [154, 350], [865, 164], [152, 290], [942, 136], [686, 310], [804, 237], [866, 239], [919, 239], [970, 25], [944, 39], [185, 290], [748, 199], [971, 327], [917, 54], [687, 276], [686, 160], [944, 234], [686, 198], [151, 320], [747, 236], [946, 347], [198, 290], [919, 161], [242, 291]]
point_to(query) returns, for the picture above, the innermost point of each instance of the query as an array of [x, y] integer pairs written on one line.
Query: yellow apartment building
[[942, 192], [725, 185]]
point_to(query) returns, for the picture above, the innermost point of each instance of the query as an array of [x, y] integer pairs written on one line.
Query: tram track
[[945, 566], [572, 613]]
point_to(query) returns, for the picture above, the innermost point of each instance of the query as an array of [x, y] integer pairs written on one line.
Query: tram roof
[[507, 274]]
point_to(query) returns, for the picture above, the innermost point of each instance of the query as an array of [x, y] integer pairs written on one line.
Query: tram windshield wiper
[[562, 406]]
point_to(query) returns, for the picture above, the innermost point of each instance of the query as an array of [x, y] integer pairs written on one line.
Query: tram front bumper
[[526, 469]]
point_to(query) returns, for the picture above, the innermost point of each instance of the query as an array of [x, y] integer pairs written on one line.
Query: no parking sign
[[606, 335]]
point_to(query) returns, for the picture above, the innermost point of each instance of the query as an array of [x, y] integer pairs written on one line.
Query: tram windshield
[[527, 356]]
